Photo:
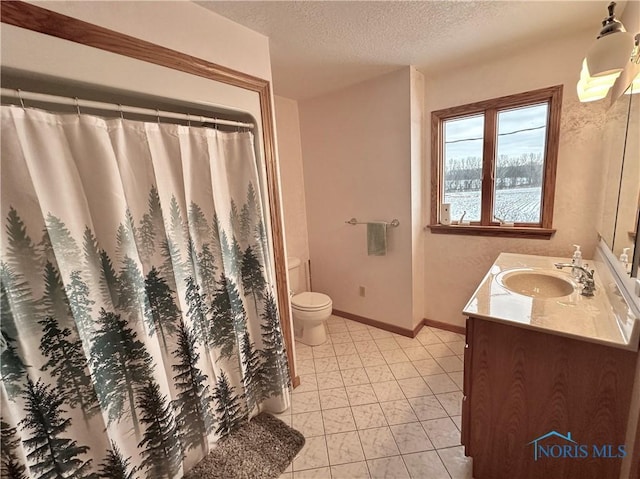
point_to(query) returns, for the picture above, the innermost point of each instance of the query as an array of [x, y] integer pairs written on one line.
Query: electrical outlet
[[363, 292]]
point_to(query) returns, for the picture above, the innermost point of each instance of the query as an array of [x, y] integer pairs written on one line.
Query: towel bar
[[354, 222]]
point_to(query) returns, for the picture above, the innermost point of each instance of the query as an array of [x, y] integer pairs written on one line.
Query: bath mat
[[261, 449]]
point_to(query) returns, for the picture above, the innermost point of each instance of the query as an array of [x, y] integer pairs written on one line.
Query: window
[[495, 163]]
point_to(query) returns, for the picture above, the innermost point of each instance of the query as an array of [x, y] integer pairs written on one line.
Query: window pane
[[520, 156], [463, 140]]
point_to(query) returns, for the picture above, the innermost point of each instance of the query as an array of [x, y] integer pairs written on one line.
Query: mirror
[[625, 232], [613, 146], [621, 202]]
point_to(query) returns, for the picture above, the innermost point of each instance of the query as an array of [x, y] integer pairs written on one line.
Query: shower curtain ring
[[158, 115], [188, 119], [20, 98], [77, 105], [120, 110]]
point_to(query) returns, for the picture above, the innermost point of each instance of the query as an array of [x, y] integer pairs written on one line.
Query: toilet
[[310, 310]]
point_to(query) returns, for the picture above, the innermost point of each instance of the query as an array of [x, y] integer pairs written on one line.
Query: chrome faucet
[[586, 277]]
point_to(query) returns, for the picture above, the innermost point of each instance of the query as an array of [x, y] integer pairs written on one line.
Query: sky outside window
[[520, 163], [463, 166], [519, 168]]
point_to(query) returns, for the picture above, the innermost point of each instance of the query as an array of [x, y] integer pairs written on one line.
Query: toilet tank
[[294, 266]]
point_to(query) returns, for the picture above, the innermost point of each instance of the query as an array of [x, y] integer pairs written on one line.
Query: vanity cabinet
[[521, 384]]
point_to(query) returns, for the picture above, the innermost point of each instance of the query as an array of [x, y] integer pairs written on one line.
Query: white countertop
[[604, 318]]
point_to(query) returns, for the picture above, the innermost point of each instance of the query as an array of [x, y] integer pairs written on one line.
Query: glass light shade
[[586, 94], [592, 89], [609, 54], [607, 80]]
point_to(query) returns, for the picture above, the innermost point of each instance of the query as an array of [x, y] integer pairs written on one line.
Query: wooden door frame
[[41, 20]]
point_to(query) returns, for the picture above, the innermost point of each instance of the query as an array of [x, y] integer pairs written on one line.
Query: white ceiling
[[320, 46]]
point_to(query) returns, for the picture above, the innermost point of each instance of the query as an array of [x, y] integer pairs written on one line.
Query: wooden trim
[[295, 382], [502, 231], [417, 329], [277, 233], [399, 330], [465, 433], [41, 20], [436, 171], [38, 19], [489, 108], [468, 341], [446, 326], [551, 159], [488, 165], [409, 333], [509, 101]]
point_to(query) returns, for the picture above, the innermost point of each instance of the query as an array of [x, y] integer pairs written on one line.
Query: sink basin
[[536, 284]]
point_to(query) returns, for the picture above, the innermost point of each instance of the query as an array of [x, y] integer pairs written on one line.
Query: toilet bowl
[[310, 310]]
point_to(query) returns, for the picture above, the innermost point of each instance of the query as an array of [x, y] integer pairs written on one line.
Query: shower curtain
[[139, 321]]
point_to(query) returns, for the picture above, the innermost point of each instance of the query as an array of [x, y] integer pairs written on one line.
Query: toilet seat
[[308, 301]]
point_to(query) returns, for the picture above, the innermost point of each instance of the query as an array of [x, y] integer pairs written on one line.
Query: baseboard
[[410, 333], [295, 382], [446, 326], [417, 329]]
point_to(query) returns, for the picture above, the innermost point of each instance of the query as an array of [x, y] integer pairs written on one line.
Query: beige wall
[[454, 265], [291, 173], [361, 154], [182, 26], [419, 136], [356, 145]]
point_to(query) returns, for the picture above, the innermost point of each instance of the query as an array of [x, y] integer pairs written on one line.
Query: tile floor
[[373, 404]]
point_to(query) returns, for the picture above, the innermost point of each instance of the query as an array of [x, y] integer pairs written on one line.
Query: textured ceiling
[[319, 46]]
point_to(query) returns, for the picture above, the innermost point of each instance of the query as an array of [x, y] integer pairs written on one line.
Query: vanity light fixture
[[606, 59], [610, 52]]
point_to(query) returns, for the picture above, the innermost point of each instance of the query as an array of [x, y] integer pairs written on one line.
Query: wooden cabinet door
[[524, 384]]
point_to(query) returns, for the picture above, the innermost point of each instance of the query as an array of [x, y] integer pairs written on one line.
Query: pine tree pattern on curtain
[[136, 293]]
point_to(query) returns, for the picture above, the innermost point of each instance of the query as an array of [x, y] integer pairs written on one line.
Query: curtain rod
[[98, 105]]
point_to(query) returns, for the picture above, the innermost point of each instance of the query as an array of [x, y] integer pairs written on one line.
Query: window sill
[[501, 231]]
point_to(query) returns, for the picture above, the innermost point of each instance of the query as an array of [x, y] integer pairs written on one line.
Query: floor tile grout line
[[326, 445], [447, 373], [396, 380], [432, 393], [436, 451], [444, 463], [352, 462]]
